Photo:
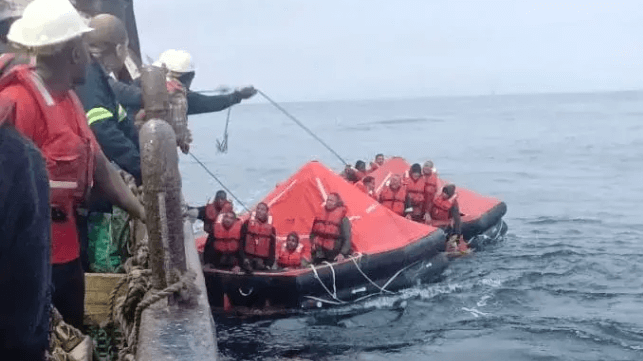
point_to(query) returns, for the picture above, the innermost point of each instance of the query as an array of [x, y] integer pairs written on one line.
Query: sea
[[565, 283]]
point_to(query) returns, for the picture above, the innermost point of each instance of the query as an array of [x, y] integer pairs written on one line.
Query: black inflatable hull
[[346, 281], [486, 228]]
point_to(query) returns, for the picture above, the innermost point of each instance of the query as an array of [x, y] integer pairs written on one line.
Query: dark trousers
[[321, 254], [255, 263], [68, 296]]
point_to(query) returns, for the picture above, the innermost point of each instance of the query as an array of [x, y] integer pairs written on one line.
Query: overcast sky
[[357, 49]]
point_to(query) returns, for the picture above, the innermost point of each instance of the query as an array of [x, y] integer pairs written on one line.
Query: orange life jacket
[[430, 187], [441, 210], [211, 214], [289, 259], [68, 146], [415, 190], [327, 228], [393, 200], [259, 237], [227, 240]]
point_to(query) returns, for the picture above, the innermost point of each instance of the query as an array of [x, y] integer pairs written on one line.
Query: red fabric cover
[[295, 202]]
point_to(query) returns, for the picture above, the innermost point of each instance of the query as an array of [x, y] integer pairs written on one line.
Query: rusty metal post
[[162, 185]]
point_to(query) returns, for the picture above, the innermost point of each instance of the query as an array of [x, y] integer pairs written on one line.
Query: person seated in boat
[[446, 211], [431, 183], [379, 161], [223, 245], [355, 174], [330, 237], [393, 195], [209, 213], [367, 185], [258, 240], [415, 201], [291, 253]]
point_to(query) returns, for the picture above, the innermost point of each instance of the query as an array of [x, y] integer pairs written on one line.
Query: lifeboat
[[388, 252], [481, 216]]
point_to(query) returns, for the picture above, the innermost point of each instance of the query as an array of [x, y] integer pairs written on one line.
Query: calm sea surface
[[565, 284]]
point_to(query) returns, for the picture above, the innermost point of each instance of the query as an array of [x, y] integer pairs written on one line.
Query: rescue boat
[[481, 216], [388, 252]]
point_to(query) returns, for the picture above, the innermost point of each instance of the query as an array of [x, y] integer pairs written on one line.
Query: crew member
[[258, 240], [180, 71], [108, 120], [446, 210], [223, 245], [367, 185], [130, 95], [415, 194], [431, 184], [393, 196], [379, 161], [291, 253], [25, 266], [209, 213], [330, 237], [48, 112]]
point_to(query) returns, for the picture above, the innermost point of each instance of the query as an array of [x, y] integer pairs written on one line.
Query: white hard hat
[[47, 22], [179, 61]]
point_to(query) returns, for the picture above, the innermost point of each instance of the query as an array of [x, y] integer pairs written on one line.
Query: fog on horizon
[[320, 50]]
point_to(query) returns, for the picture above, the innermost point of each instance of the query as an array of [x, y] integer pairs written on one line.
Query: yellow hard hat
[[179, 61], [47, 22]]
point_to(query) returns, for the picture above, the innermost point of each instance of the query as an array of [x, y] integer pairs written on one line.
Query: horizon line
[[261, 101]]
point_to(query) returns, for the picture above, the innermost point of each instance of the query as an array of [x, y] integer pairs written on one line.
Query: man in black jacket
[[115, 132]]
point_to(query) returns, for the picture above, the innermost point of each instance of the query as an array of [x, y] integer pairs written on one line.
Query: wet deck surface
[[174, 333]]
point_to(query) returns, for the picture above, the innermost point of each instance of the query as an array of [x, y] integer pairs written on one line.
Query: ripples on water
[[564, 285]]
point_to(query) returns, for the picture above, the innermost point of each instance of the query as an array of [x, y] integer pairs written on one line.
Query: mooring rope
[[217, 179], [276, 105]]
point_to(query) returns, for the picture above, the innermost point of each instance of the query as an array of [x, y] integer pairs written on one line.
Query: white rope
[[334, 293], [382, 289], [331, 294], [246, 294]]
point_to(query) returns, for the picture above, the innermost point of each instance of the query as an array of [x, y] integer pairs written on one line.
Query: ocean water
[[565, 284]]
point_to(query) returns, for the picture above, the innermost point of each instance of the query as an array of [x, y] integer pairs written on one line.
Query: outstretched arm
[[457, 221]]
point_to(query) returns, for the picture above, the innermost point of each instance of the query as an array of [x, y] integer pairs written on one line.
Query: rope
[[341, 302], [113, 294], [333, 295], [382, 289], [217, 179], [301, 125], [222, 146]]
